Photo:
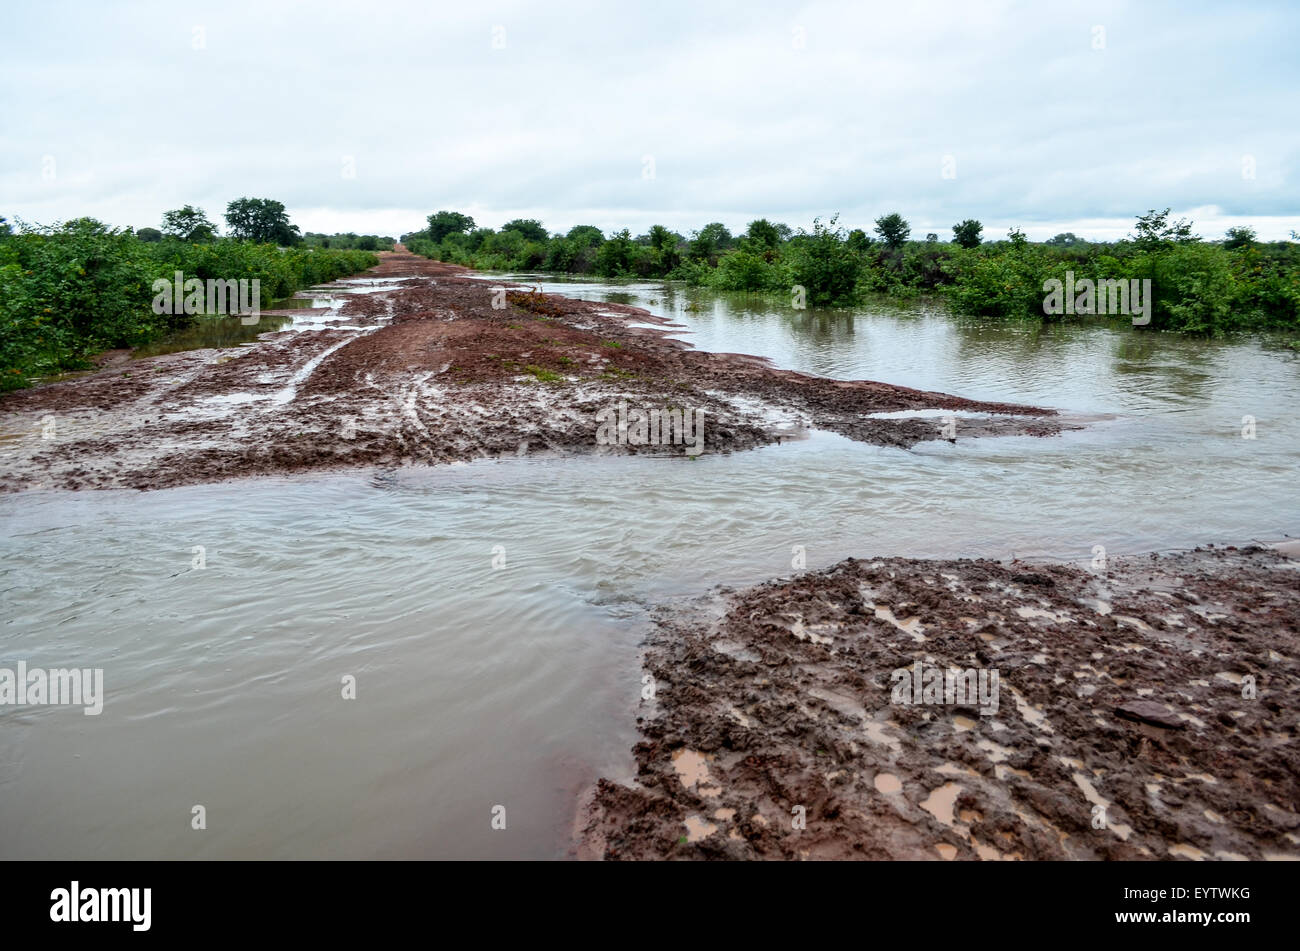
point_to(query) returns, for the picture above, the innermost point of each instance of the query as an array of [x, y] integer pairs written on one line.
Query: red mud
[[1125, 727], [426, 370]]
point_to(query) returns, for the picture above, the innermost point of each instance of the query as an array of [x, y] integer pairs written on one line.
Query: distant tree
[[967, 233], [368, 242], [763, 234], [664, 242], [476, 238], [443, 223], [718, 234], [823, 264], [149, 234], [1241, 237], [189, 224], [931, 237], [1017, 239], [708, 241], [262, 220], [1155, 229], [615, 256], [1066, 239], [893, 229], [585, 236], [783, 231], [859, 240], [6, 228], [530, 228]]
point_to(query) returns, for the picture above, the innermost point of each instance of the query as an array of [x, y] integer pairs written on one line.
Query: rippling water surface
[[481, 686]]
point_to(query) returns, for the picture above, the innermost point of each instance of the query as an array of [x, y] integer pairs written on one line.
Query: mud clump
[[1149, 712]]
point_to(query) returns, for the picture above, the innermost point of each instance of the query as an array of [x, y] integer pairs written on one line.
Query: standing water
[[490, 613]]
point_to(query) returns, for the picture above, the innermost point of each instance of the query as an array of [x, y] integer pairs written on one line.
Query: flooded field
[[490, 612]]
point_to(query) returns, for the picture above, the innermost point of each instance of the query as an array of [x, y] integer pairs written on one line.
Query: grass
[[543, 375]]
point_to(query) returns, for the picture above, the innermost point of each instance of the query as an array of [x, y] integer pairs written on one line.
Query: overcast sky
[[368, 116]]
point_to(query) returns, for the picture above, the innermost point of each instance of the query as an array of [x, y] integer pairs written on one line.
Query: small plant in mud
[[543, 375], [611, 343], [536, 302]]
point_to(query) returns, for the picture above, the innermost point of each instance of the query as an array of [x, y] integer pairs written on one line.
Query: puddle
[[940, 802]]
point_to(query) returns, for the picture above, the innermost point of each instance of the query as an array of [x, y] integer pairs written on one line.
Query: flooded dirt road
[[418, 363], [494, 611]]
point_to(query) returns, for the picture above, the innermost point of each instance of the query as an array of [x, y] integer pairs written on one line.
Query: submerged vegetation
[[71, 290], [1238, 284]]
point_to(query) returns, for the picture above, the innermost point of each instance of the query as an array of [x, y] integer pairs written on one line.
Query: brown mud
[[421, 368], [1146, 709]]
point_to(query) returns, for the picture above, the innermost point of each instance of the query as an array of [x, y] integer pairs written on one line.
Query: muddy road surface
[[425, 364], [1145, 710]]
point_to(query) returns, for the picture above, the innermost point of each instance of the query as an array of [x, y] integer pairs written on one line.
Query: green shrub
[[69, 291]]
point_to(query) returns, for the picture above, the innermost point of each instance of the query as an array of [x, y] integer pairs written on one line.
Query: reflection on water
[[480, 686], [213, 331]]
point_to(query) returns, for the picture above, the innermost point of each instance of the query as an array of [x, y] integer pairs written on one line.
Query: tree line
[[1200, 286]]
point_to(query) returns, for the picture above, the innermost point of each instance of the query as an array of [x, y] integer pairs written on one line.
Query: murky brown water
[[480, 687]]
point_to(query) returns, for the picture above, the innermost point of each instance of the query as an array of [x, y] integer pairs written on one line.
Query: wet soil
[[430, 365], [1146, 709]]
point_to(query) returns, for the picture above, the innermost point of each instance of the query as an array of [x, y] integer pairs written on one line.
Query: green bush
[[70, 291]]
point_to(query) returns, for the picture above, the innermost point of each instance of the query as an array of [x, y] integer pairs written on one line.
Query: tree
[[443, 223], [893, 229], [717, 234], [704, 246], [1241, 237], [931, 237], [763, 234], [664, 242], [189, 224], [859, 240], [967, 233], [149, 234], [585, 236], [1154, 229], [1017, 239], [615, 256], [262, 220], [1066, 239], [530, 228], [824, 265]]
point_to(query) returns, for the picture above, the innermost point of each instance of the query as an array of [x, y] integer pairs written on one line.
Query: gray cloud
[[744, 109]]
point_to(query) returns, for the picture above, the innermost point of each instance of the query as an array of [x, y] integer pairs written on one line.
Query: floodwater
[[490, 613]]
